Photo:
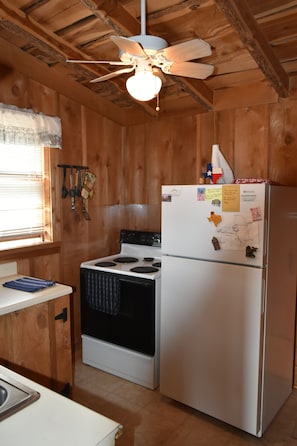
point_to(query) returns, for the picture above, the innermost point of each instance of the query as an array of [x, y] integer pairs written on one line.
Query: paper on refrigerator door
[[218, 160]]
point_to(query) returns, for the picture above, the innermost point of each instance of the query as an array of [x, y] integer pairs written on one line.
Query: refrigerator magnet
[[250, 251], [256, 213], [201, 194], [215, 243], [166, 197], [215, 218], [216, 202]]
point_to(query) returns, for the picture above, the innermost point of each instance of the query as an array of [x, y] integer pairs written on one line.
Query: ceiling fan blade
[[128, 46], [193, 49], [190, 69], [111, 75], [110, 62]]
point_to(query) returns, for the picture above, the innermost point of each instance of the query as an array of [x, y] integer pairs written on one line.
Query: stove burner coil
[[157, 264], [148, 259], [125, 259], [144, 269], [105, 264]]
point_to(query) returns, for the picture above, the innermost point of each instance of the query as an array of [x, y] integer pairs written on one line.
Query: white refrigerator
[[228, 296]]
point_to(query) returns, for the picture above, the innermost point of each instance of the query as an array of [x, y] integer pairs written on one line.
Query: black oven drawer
[[118, 309]]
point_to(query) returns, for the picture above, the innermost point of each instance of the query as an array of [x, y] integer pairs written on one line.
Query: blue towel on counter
[[103, 292], [28, 284]]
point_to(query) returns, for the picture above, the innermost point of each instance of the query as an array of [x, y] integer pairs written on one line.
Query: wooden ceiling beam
[[243, 21]]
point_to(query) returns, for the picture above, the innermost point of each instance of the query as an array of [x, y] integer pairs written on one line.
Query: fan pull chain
[[158, 103]]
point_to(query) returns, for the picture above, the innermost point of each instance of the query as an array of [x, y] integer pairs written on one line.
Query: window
[[25, 189], [25, 201]]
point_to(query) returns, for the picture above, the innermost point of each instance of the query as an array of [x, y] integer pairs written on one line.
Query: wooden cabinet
[[36, 342]]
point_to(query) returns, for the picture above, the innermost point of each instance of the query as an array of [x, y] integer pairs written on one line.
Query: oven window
[[130, 320]]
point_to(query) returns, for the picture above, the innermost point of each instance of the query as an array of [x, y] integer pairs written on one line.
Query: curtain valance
[[24, 126]]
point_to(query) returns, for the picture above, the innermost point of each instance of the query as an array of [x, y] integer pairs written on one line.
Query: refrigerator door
[[223, 223], [211, 333]]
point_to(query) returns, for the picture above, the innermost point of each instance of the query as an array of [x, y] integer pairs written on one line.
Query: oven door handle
[[138, 280]]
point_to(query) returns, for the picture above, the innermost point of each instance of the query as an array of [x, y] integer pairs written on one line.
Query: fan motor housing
[[150, 44]]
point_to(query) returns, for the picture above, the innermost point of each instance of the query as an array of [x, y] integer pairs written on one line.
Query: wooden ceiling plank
[[264, 9], [29, 7], [240, 18], [56, 15], [180, 8], [280, 27], [113, 13], [245, 96]]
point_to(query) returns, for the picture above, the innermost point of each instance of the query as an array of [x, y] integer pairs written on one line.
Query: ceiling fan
[[146, 54]]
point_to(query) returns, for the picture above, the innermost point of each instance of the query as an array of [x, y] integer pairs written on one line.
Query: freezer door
[[211, 337], [224, 223]]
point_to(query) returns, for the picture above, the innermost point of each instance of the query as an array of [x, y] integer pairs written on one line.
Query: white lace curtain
[[23, 126]]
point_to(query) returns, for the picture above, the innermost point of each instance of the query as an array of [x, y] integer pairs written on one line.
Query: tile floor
[[150, 419]]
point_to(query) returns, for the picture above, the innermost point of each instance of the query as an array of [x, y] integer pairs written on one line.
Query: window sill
[[30, 251]]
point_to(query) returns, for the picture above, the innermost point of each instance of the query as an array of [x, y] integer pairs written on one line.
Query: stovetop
[[134, 259]]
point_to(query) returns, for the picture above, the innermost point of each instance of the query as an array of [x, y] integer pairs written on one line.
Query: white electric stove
[[120, 309]]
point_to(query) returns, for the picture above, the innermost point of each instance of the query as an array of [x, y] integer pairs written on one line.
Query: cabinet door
[[25, 347], [60, 340], [6, 343], [36, 342]]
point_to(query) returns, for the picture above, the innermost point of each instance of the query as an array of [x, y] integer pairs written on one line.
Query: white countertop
[[55, 420], [14, 300]]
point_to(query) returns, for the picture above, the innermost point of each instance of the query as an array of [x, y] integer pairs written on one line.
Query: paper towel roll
[[218, 160]]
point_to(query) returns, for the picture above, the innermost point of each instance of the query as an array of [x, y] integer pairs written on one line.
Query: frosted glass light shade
[[143, 85]]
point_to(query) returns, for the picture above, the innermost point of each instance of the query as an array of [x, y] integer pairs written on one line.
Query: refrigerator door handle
[[265, 241], [263, 303]]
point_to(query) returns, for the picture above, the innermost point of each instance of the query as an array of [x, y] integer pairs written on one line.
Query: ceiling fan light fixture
[[143, 85]]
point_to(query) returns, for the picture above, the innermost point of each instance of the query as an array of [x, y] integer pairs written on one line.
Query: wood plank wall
[[132, 163]]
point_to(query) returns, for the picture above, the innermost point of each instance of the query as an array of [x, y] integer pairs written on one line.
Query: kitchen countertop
[[55, 420], [14, 300]]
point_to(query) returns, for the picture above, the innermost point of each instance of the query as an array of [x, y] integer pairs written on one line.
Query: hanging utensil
[[87, 190], [84, 211], [72, 190], [78, 192], [64, 188], [78, 182]]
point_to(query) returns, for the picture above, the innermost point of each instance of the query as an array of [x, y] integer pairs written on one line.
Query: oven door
[[118, 309]]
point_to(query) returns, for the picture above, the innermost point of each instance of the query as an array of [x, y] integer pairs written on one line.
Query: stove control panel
[[140, 237]]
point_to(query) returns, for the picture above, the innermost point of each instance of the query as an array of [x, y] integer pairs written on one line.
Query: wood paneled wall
[[132, 163]]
